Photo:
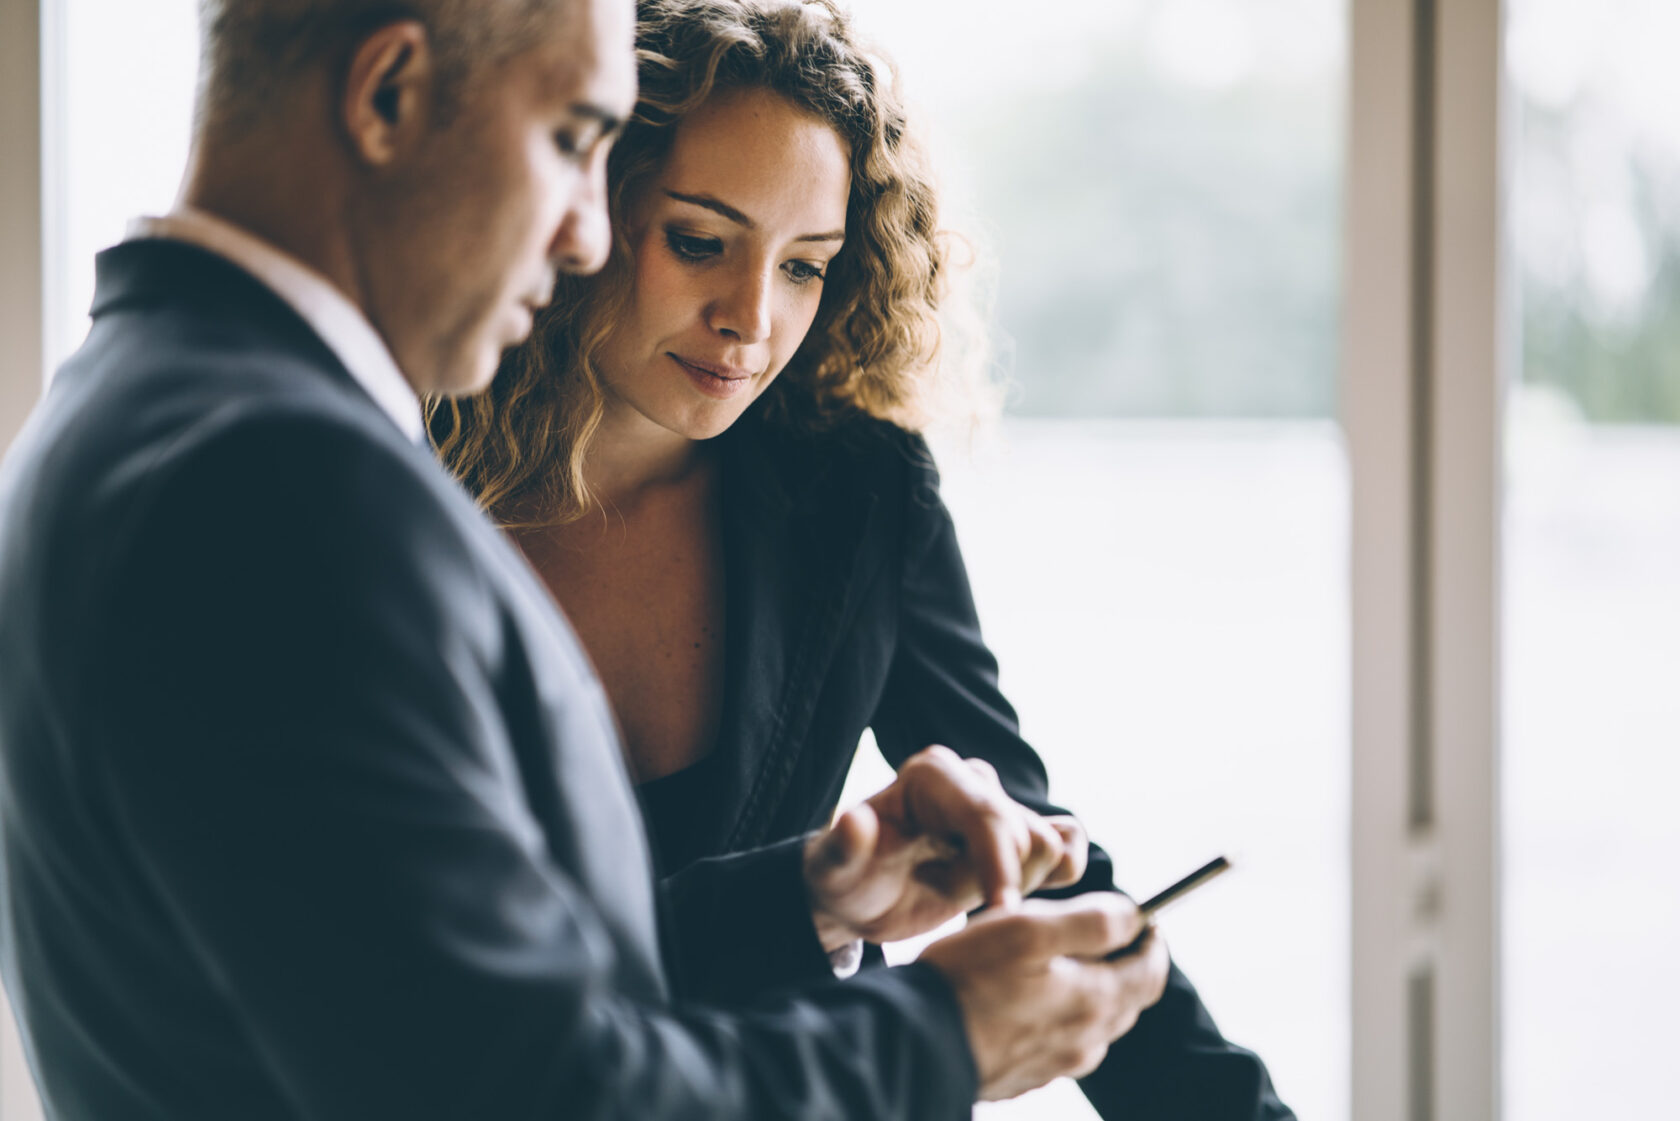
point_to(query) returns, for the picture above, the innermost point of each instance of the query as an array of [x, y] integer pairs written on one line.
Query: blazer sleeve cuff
[[739, 926]]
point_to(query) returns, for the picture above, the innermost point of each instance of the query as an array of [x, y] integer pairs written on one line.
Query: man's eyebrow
[[717, 206], [609, 122]]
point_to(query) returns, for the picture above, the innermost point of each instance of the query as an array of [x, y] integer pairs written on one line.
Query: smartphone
[[1160, 900]]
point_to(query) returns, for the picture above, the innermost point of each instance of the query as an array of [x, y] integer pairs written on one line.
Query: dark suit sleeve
[[943, 688], [309, 766]]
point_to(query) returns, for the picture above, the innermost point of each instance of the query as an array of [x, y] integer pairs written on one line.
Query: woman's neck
[[630, 456]]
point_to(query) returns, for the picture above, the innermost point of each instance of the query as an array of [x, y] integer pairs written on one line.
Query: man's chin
[[472, 373], [480, 381]]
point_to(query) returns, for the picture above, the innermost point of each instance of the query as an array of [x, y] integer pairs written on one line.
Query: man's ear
[[389, 95]]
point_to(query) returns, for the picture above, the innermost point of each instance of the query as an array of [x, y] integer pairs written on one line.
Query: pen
[[1153, 906]]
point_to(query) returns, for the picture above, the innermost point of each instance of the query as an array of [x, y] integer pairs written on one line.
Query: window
[[1157, 533], [1592, 605], [123, 122]]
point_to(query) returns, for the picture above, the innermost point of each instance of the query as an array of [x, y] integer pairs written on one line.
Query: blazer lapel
[[792, 551]]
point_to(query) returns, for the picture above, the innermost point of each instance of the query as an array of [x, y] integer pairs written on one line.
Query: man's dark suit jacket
[[311, 805], [849, 608]]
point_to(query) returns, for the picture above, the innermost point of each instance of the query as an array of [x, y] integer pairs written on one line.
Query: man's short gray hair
[[253, 49]]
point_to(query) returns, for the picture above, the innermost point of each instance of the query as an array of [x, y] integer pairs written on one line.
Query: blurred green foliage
[[1169, 251], [1616, 360], [1164, 251], [1616, 370]]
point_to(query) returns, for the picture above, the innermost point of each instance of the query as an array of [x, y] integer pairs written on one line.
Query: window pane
[[1168, 600], [1157, 536], [1593, 545], [125, 113]]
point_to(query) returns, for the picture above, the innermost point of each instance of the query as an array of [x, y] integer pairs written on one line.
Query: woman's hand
[[943, 839], [1076, 848]]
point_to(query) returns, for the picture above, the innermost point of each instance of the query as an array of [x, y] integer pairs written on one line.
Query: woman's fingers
[[943, 793], [1045, 855], [1053, 849], [840, 854], [1076, 849]]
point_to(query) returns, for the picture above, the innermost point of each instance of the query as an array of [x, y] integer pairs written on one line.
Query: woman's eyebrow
[[718, 206]]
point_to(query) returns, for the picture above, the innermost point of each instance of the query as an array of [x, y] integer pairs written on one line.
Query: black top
[[848, 608], [680, 810], [310, 806]]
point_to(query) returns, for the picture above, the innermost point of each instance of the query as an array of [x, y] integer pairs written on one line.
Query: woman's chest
[[648, 603]]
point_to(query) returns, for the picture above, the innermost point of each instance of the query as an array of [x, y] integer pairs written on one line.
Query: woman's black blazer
[[849, 608]]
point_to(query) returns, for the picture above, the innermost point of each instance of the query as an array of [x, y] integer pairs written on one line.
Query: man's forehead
[[588, 54]]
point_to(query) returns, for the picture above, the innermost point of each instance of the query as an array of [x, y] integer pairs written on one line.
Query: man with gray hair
[[310, 804]]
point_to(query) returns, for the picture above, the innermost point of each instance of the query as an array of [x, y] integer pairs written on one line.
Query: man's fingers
[[1141, 979], [1158, 962], [1087, 927]]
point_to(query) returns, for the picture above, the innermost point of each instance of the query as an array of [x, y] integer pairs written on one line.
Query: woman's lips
[[714, 380]]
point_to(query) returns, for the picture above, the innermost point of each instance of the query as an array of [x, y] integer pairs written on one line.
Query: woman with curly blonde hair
[[710, 454]]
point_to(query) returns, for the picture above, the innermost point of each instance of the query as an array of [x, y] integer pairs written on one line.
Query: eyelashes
[[696, 249], [687, 247], [804, 272], [580, 144]]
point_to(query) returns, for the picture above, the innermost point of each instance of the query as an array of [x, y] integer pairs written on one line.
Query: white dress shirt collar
[[340, 323]]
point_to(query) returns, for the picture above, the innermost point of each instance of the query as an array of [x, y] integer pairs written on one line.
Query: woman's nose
[[744, 312]]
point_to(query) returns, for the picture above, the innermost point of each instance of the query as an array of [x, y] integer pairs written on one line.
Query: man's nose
[[584, 236], [744, 312]]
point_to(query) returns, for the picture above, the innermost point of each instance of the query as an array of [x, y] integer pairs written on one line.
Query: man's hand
[[1037, 997], [942, 840]]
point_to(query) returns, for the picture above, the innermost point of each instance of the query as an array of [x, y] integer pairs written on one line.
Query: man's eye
[[691, 248], [577, 143]]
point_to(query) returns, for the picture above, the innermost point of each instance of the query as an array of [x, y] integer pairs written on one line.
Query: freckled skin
[[706, 287], [644, 585]]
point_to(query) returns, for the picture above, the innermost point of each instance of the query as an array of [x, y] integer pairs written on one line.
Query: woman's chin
[[708, 419], [712, 423], [690, 415]]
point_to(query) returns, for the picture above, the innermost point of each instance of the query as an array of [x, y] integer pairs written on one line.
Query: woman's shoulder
[[854, 450], [855, 471], [863, 459]]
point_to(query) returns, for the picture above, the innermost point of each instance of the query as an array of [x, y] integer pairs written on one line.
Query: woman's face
[[731, 242]]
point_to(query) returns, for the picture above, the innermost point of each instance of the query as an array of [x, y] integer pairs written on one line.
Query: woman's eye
[[691, 248], [803, 272], [568, 143]]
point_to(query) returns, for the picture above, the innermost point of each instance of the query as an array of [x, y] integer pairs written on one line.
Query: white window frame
[[23, 322], [1426, 351], [22, 311], [1427, 345]]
